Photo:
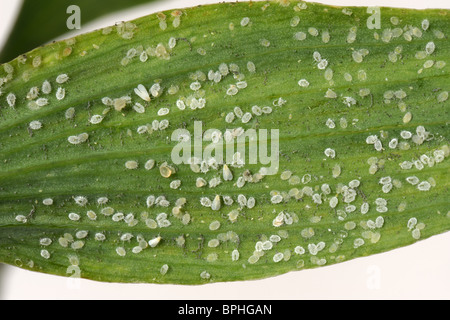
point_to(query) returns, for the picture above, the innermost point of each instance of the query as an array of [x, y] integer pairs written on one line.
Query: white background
[[419, 271]]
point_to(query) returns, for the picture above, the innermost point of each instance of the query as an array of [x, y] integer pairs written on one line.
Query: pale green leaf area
[[363, 158]]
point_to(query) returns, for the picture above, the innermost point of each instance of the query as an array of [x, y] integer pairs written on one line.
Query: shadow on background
[[2, 279], [38, 22]]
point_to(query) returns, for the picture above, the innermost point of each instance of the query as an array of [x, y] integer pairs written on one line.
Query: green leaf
[[367, 127], [39, 22]]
